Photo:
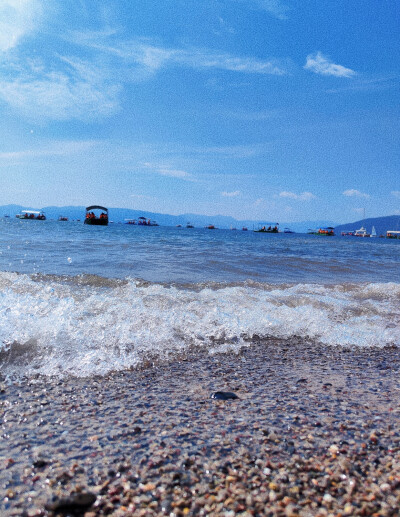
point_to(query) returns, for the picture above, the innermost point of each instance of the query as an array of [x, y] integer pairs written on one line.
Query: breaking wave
[[88, 325]]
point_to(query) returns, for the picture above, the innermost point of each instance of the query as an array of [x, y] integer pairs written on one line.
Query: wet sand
[[315, 432]]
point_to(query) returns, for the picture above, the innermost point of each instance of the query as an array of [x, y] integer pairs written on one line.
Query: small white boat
[[362, 232], [373, 232]]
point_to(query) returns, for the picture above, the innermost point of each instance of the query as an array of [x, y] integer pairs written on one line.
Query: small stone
[[333, 449], [224, 395], [73, 503]]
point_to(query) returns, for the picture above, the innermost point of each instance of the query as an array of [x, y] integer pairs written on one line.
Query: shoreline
[[313, 433]]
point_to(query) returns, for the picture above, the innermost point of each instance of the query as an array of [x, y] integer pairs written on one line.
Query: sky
[[274, 110]]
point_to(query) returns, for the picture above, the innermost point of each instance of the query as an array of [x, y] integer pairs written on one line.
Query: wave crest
[[89, 326]]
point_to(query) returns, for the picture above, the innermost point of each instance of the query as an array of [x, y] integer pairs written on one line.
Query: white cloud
[[356, 193], [17, 18], [305, 196], [231, 194], [321, 64], [396, 193]]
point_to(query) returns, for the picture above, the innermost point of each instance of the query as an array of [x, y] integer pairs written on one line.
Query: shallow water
[[84, 300]]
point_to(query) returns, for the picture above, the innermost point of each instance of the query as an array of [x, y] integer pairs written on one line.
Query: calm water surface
[[163, 254]]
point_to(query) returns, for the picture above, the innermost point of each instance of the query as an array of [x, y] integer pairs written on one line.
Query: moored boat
[[362, 232], [393, 234], [328, 231], [94, 218], [142, 221], [31, 215], [270, 229]]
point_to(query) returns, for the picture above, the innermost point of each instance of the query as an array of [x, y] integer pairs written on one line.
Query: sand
[[315, 432]]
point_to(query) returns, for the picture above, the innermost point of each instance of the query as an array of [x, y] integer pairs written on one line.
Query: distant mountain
[[199, 221], [382, 225]]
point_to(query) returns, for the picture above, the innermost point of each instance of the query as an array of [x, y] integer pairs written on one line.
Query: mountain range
[[382, 224]]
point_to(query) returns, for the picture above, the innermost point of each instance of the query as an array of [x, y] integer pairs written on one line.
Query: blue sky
[[259, 109]]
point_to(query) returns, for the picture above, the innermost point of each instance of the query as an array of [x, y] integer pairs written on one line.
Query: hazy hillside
[[382, 224]]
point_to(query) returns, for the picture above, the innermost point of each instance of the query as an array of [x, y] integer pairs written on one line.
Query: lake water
[[84, 300]]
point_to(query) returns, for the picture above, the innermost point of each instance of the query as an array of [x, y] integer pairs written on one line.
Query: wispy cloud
[[17, 19], [164, 170], [231, 194], [252, 116], [356, 193], [238, 151], [274, 7], [70, 89], [153, 57], [59, 148], [368, 85], [57, 85], [304, 196], [396, 193], [322, 65]]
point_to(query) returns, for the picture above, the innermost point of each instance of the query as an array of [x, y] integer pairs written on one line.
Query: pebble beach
[[314, 432]]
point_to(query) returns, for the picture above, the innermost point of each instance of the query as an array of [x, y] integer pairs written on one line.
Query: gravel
[[314, 432]]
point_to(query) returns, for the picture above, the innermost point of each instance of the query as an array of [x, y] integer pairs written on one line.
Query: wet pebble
[[224, 395]]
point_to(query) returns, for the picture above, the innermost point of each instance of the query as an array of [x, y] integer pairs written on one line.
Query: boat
[[244, 229], [189, 225], [362, 232], [271, 229], [37, 215], [130, 221], [288, 230], [393, 234], [210, 227], [93, 218], [349, 233], [63, 218], [373, 232], [143, 221], [328, 231]]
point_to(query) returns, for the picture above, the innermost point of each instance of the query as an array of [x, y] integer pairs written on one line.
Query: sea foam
[[88, 325]]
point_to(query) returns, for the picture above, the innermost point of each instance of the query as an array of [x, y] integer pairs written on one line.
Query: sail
[[373, 232]]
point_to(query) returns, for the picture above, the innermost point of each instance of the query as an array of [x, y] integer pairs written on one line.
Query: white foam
[[54, 326]]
